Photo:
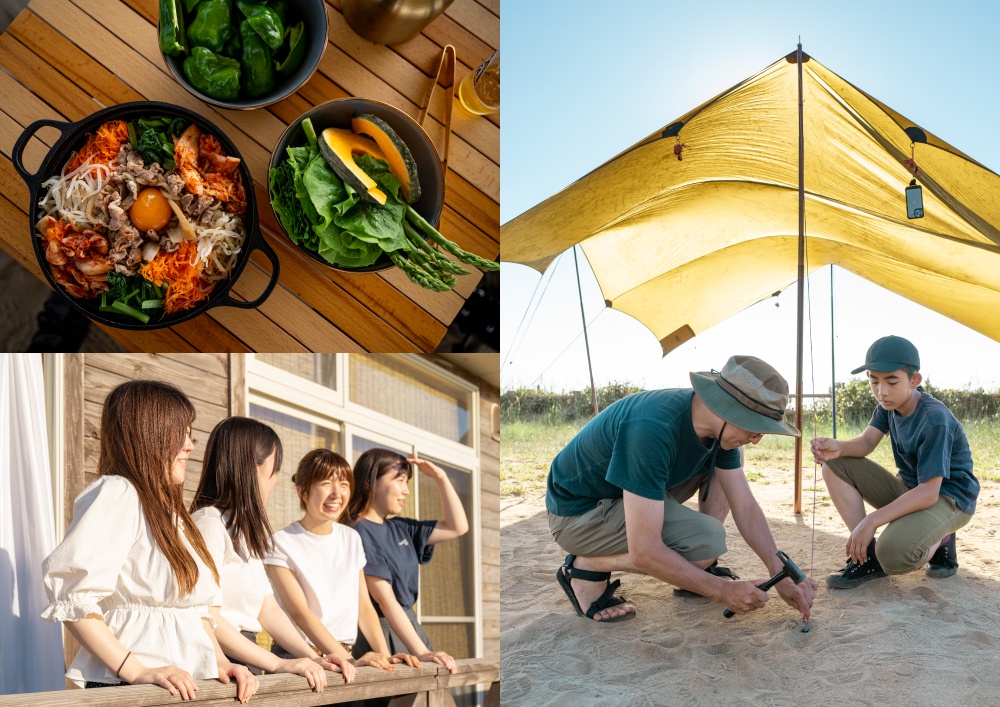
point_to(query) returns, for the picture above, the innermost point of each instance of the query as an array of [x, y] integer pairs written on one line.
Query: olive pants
[[905, 543], [601, 531]]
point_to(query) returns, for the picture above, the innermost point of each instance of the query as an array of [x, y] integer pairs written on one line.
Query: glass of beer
[[479, 91]]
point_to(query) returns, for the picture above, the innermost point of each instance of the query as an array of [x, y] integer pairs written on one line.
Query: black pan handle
[[32, 179], [257, 243]]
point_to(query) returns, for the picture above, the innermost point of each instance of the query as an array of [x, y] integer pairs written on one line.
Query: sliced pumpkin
[[338, 147], [401, 162]]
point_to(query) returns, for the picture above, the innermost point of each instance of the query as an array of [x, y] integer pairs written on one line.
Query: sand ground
[[905, 639]]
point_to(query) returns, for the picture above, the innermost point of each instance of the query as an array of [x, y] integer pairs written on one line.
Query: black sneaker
[[944, 561], [854, 574]]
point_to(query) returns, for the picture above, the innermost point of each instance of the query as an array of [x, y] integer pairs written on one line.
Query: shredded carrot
[[182, 275], [103, 145]]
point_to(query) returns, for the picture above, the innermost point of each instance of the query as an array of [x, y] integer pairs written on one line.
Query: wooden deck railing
[[409, 687]]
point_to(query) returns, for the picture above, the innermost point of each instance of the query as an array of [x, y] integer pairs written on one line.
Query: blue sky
[[584, 80]]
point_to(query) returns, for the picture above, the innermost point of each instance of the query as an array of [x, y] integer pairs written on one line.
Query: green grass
[[527, 448], [526, 451]]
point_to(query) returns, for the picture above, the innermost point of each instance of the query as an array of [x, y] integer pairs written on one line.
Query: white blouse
[[328, 569], [109, 564], [243, 579]]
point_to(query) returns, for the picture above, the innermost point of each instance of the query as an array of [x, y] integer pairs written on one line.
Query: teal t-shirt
[[644, 444], [931, 442]]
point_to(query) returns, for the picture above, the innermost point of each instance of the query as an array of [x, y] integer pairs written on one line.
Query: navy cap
[[890, 353]]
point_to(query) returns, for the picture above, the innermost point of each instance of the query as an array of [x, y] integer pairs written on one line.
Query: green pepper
[[280, 8], [264, 21], [212, 25], [295, 42], [255, 63], [233, 48], [214, 75], [172, 39]]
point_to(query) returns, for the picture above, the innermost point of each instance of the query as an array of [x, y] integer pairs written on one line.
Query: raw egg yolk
[[150, 212]]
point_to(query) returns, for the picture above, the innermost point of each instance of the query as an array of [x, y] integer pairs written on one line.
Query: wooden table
[[69, 58]]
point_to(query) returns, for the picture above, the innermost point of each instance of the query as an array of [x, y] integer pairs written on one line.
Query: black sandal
[[713, 568], [608, 599]]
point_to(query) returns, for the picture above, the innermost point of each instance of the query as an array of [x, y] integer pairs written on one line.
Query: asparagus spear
[[445, 263], [432, 233]]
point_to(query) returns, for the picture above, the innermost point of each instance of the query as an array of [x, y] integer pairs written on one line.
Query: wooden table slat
[[477, 19]]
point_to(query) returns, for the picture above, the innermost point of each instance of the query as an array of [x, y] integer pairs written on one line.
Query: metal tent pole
[[586, 339], [833, 360], [801, 289]]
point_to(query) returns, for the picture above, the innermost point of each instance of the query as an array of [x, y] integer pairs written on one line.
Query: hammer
[[790, 569]]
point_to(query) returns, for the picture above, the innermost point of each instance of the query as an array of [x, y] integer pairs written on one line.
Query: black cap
[[890, 353]]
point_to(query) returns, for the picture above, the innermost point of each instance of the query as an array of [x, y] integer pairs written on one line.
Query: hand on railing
[[170, 678], [410, 660], [246, 682], [339, 664], [311, 670], [441, 658]]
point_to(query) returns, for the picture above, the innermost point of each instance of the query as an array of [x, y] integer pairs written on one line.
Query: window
[[394, 386], [318, 368]]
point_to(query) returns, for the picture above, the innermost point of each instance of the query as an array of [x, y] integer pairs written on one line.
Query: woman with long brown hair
[[396, 547], [242, 462], [315, 568], [132, 580]]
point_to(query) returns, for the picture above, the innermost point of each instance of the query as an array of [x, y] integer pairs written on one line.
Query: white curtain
[[31, 655]]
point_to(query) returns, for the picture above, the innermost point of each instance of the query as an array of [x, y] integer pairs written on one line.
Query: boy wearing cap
[[614, 493], [933, 495]]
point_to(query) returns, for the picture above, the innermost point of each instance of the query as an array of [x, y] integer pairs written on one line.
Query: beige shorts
[[601, 531], [905, 543]]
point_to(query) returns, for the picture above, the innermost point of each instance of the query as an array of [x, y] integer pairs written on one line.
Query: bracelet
[[122, 665]]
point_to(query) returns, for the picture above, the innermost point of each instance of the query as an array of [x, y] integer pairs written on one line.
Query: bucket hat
[[747, 393], [890, 353]]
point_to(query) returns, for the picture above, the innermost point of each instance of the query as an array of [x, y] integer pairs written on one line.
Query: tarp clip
[[678, 147]]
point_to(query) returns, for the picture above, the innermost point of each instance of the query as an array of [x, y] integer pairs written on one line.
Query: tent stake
[[586, 339], [798, 335]]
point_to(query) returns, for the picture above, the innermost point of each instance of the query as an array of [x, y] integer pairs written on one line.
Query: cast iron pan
[[72, 138]]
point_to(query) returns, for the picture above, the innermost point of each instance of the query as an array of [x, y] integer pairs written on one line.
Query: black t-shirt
[[395, 549]]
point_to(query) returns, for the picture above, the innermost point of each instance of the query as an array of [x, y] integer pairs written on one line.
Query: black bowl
[[72, 138], [313, 12], [338, 114]]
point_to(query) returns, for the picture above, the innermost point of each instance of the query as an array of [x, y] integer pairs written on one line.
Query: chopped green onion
[[152, 304], [122, 308]]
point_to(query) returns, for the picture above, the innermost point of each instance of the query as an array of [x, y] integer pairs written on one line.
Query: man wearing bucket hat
[[922, 506], [614, 493]]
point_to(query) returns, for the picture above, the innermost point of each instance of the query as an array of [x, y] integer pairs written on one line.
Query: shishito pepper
[[264, 21], [212, 25], [172, 39], [295, 42], [214, 75], [255, 63]]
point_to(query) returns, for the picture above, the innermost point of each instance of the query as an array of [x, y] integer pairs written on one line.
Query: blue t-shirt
[[644, 443], [930, 442], [395, 549]]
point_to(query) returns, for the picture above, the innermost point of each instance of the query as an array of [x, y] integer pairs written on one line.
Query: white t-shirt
[[242, 576], [327, 567], [109, 564]]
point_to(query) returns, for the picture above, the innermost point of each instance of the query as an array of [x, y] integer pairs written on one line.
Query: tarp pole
[[833, 363], [586, 340], [801, 290]]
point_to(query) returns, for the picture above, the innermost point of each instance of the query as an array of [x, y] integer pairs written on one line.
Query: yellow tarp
[[683, 244]]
